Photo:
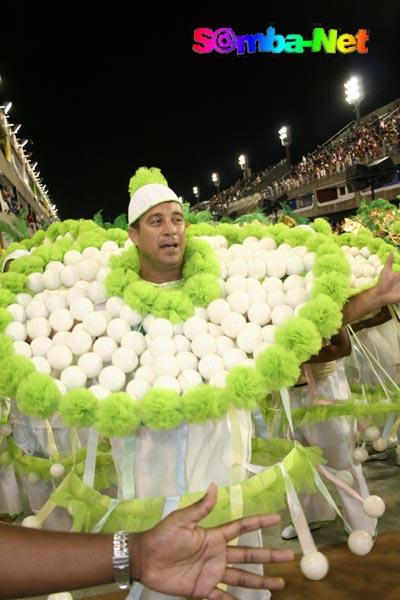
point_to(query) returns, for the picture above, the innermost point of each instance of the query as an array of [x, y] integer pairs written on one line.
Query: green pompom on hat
[[147, 188]]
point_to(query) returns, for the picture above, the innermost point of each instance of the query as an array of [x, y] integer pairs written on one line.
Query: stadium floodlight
[[354, 94], [6, 107], [215, 179], [285, 136]]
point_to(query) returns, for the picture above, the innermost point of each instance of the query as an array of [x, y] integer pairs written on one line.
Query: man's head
[[157, 226]]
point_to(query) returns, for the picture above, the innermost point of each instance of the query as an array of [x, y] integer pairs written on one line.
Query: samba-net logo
[[225, 41]]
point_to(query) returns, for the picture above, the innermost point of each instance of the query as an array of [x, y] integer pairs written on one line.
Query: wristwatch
[[120, 559]]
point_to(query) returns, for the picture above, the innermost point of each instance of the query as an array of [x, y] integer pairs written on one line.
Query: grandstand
[[362, 160]]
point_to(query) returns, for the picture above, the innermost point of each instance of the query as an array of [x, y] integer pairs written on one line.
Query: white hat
[[15, 254], [148, 187]]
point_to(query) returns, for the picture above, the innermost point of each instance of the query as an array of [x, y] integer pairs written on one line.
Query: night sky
[[101, 90]]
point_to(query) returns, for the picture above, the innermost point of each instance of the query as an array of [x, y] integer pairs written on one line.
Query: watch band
[[120, 559]]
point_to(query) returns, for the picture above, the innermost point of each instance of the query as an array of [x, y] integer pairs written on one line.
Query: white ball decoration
[[61, 386], [51, 279], [114, 305], [22, 348], [224, 343], [275, 297], [237, 266], [23, 298], [146, 373], [193, 326], [80, 307], [55, 301], [112, 378], [167, 382], [272, 283], [73, 377], [39, 326], [189, 378], [160, 327], [125, 359], [209, 365], [18, 312], [17, 331], [130, 315], [239, 301], [259, 312], [146, 358], [374, 506], [60, 596], [161, 346], [55, 265], [80, 342], [314, 565], [360, 542], [91, 252], [214, 330], [372, 433], [202, 344], [95, 324], [296, 296], [69, 275], [249, 337], [276, 267], [57, 470], [166, 365], [88, 268], [134, 340], [294, 265], [187, 360], [41, 345], [35, 282], [41, 365], [72, 257], [380, 444], [309, 260], [268, 243], [280, 313], [256, 268], [217, 310], [234, 283], [360, 454], [61, 320], [182, 344], [137, 388], [74, 293], [59, 357], [97, 291], [32, 522], [219, 379], [61, 338], [99, 391], [232, 324], [234, 358], [36, 308], [117, 328], [109, 246], [91, 363]]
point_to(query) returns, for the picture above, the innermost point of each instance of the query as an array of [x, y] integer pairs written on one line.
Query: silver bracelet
[[120, 559]]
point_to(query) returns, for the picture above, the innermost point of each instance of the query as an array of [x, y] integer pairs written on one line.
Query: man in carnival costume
[[184, 459]]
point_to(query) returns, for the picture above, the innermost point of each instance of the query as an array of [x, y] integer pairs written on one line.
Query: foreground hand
[[188, 560]]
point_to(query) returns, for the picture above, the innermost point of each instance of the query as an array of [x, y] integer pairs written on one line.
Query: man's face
[[160, 241]]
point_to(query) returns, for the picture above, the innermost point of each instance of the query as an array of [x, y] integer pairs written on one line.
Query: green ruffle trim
[[35, 467], [262, 493]]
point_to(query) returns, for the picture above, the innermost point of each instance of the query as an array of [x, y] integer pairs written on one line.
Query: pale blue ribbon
[[181, 449]]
